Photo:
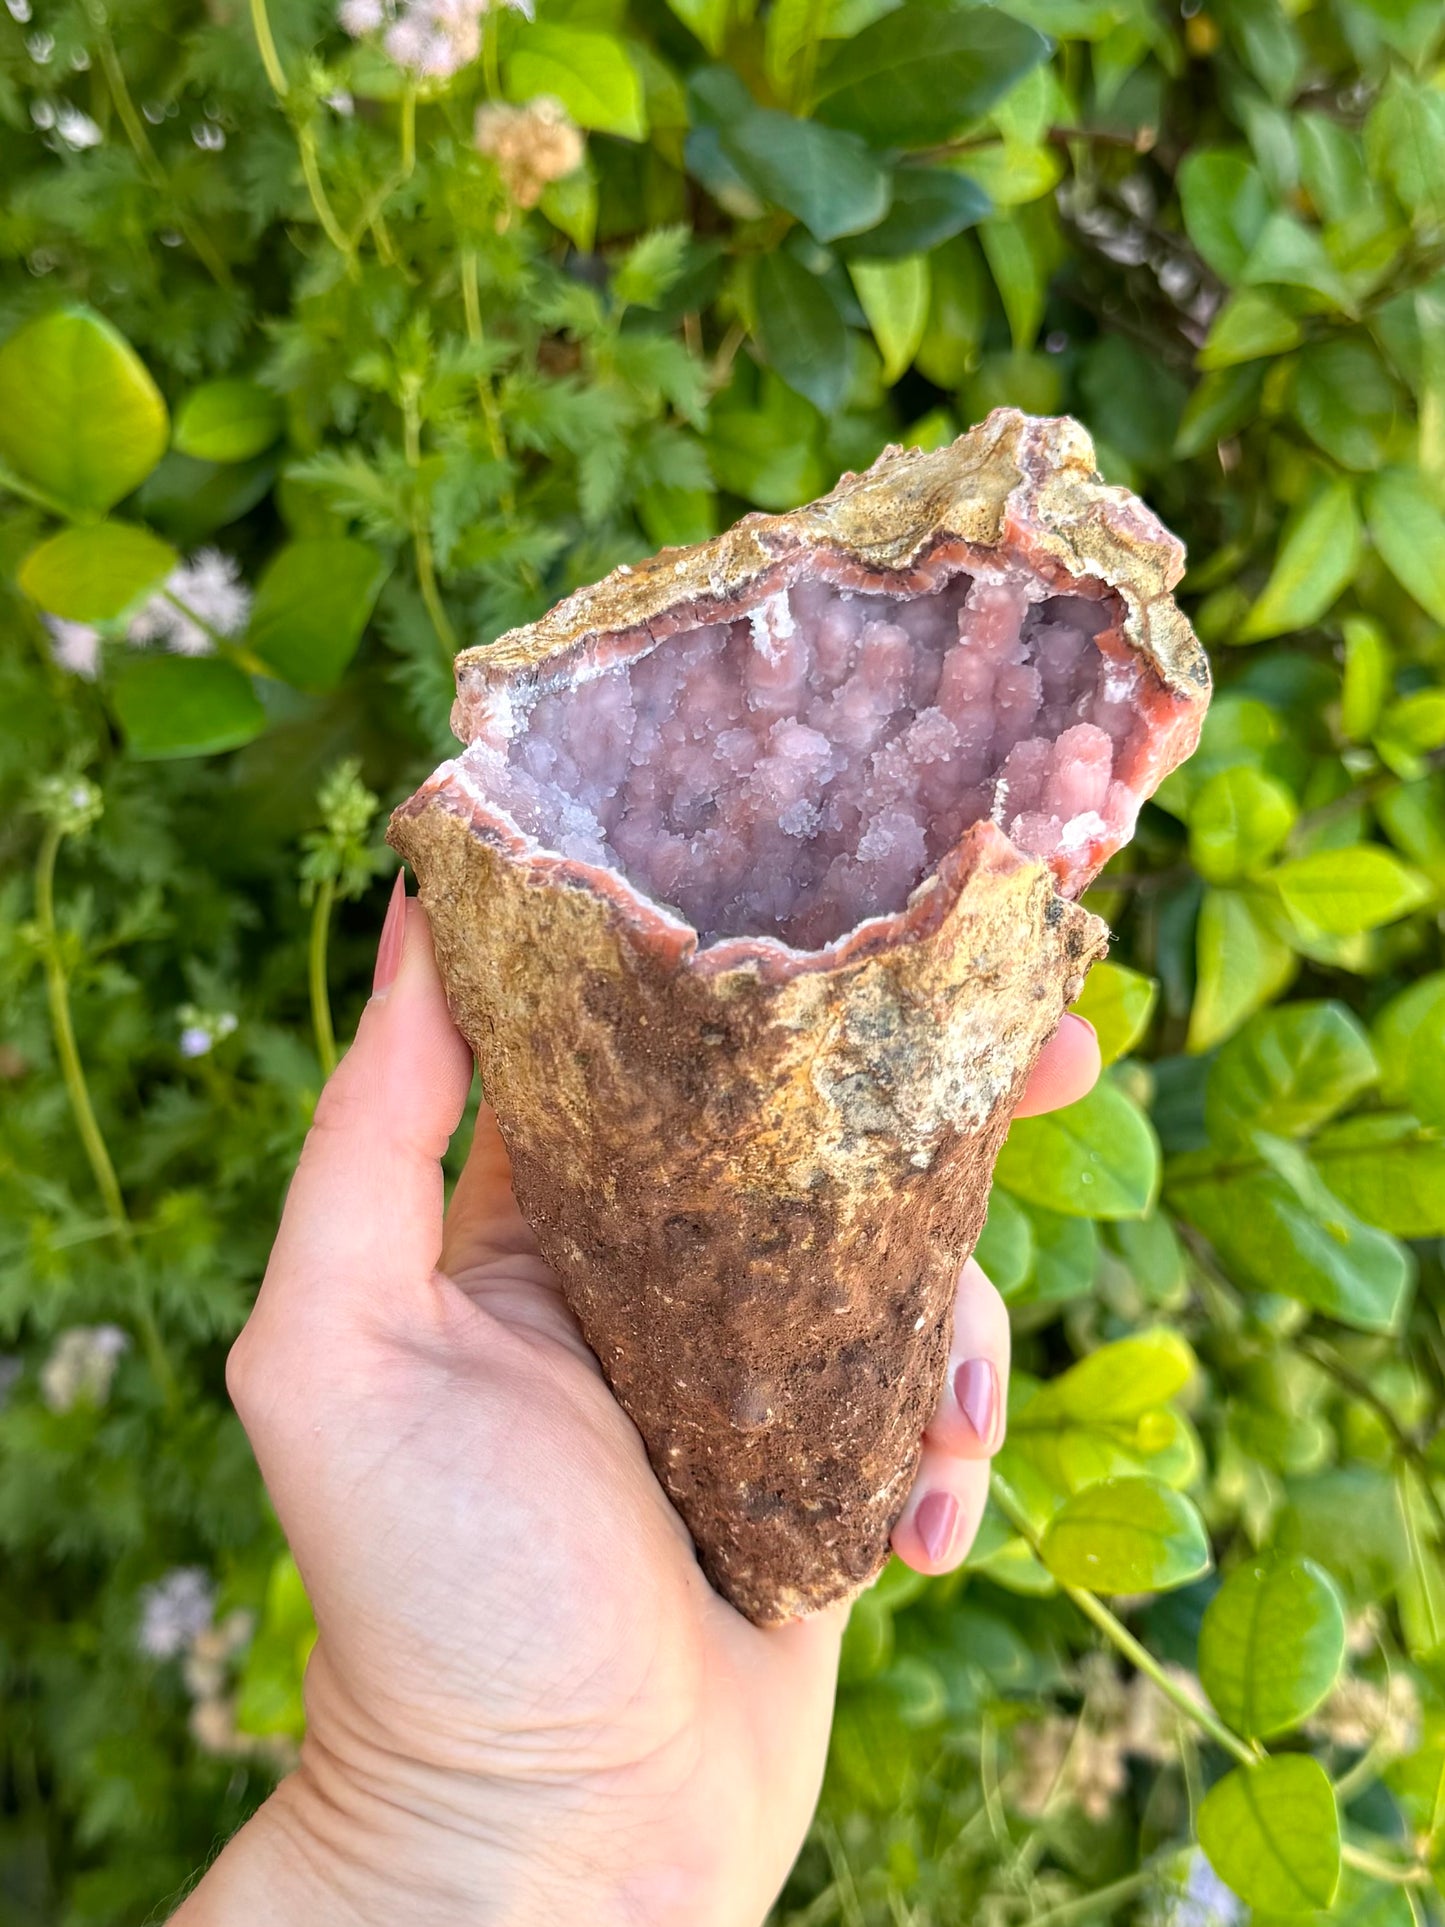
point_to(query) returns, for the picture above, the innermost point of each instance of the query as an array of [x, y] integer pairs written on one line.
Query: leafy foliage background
[[299, 388]]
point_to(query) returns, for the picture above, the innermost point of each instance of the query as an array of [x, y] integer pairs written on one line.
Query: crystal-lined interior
[[805, 766]]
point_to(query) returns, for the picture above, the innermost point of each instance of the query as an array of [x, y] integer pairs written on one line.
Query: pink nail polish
[[393, 938], [975, 1386], [937, 1521]]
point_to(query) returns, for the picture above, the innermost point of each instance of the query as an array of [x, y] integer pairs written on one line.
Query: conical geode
[[753, 891]]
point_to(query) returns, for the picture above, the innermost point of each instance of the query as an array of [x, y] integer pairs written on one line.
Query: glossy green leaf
[[185, 706], [1367, 676], [1272, 1833], [1317, 558], [958, 309], [829, 179], [929, 205], [1409, 532], [1118, 1002], [80, 417], [800, 329], [894, 296], [1409, 729], [1345, 401], [1250, 324], [1066, 1257], [1126, 1535], [96, 573], [1271, 1644], [1097, 1158], [1225, 205], [707, 19], [1421, 1589], [1389, 1169], [916, 76], [1242, 963], [1005, 1247], [1288, 1234], [1337, 892], [1018, 274], [1125, 1379], [590, 73], [1409, 1038], [770, 454], [1405, 144], [1237, 821], [312, 604], [1289, 1071], [227, 421]]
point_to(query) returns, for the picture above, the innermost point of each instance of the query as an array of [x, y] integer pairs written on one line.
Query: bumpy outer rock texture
[[757, 1169]]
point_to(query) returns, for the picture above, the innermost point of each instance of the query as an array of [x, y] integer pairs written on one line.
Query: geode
[[754, 891]]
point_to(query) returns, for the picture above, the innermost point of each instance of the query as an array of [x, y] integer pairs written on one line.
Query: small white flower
[[175, 1611], [196, 1040], [201, 1030], [81, 1366], [77, 130], [358, 17], [211, 588], [339, 103], [75, 646]]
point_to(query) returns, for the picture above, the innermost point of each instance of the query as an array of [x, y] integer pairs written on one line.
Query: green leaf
[[1272, 1834], [650, 267], [1237, 821], [1250, 324], [769, 454], [1289, 1071], [1317, 558], [894, 296], [185, 706], [1241, 964], [1005, 1247], [227, 421], [1118, 1002], [1345, 401], [1337, 892], [1409, 1034], [311, 607], [1409, 532], [95, 574], [1421, 1591], [800, 329], [1066, 1257], [929, 206], [1019, 275], [830, 180], [1225, 204], [916, 76], [1367, 677], [1405, 144], [80, 417], [1291, 255], [1097, 1158], [707, 19], [1271, 1644], [590, 73], [1389, 1169], [1124, 1380], [1289, 1235], [1409, 728], [1126, 1535], [957, 313]]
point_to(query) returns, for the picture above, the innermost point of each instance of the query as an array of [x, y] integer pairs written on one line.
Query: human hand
[[525, 1704]]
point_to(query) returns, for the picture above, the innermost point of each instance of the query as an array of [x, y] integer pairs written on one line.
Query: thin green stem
[[1118, 1635], [150, 161], [491, 66], [426, 574], [1392, 1871], [320, 993], [325, 213], [57, 986], [486, 395], [408, 130], [1102, 1900], [1364, 1772], [227, 646], [266, 44]]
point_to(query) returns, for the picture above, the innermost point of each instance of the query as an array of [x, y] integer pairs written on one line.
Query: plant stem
[[421, 536], [1118, 1635], [1375, 1868], [320, 994], [408, 131], [486, 393], [1102, 1900], [266, 44], [491, 67], [57, 986], [150, 161], [227, 646]]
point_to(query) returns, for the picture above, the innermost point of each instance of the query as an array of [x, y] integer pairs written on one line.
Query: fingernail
[[975, 1386], [393, 939], [937, 1521], [1074, 1015]]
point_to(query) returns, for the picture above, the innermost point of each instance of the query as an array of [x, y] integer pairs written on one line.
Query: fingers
[[1067, 1070], [939, 1521], [364, 1214], [483, 1220]]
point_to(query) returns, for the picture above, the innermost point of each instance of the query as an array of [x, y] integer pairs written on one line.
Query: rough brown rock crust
[[757, 1170]]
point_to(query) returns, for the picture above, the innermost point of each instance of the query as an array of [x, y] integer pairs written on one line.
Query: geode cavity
[[753, 890]]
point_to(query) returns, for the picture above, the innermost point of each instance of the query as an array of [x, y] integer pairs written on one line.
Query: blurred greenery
[[328, 344]]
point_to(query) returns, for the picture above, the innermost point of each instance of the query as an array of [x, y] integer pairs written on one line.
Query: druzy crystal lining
[[802, 767]]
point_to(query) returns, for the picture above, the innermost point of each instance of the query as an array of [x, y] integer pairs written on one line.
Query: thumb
[[363, 1218]]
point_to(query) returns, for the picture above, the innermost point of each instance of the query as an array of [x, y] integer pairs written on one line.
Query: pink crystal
[[805, 765]]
